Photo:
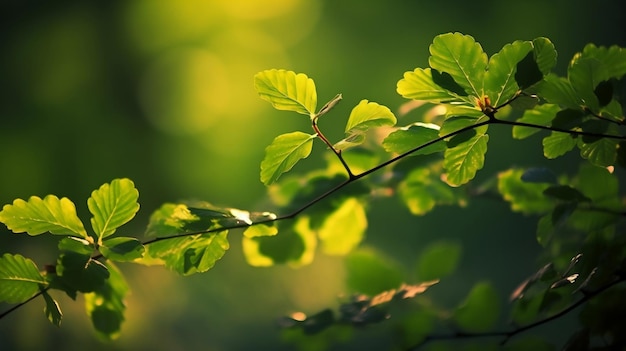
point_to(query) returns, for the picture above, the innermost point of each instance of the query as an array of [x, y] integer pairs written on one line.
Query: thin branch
[[556, 129], [508, 334]]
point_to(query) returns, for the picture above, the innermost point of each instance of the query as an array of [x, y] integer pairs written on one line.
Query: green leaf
[[260, 230], [481, 309], [438, 260], [294, 246], [200, 217], [524, 197], [558, 144], [456, 123], [113, 205], [559, 91], [368, 115], [545, 54], [565, 193], [419, 85], [585, 74], [413, 136], [343, 229], [499, 81], [187, 255], [78, 272], [364, 116], [286, 90], [122, 249], [463, 58], [612, 58], [283, 153], [52, 309], [37, 216], [599, 151], [19, 278], [464, 157], [105, 306], [541, 115], [423, 189], [369, 272]]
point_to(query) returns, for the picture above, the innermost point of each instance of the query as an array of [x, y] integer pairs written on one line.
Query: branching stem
[[508, 334]]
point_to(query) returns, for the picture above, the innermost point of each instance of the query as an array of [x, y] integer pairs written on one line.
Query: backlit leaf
[[105, 306], [558, 144], [480, 310], [187, 255], [438, 260], [464, 159], [293, 246], [545, 54], [462, 57], [500, 84], [368, 115], [286, 90], [37, 216], [260, 230], [599, 151], [113, 205], [413, 136], [541, 115], [19, 278], [419, 85], [585, 74], [559, 91], [79, 272], [344, 228], [122, 249], [283, 153], [52, 309]]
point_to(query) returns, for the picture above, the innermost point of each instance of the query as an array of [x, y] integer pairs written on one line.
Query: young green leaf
[[481, 309], [541, 115], [599, 151], [558, 144], [364, 116], [584, 75], [189, 254], [420, 85], [286, 90], [113, 205], [412, 136], [612, 58], [545, 54], [19, 278], [462, 57], [368, 115], [344, 228], [105, 306], [464, 157], [293, 246], [499, 82], [78, 272], [438, 260], [283, 153], [559, 91], [37, 216], [260, 230], [52, 309], [122, 249]]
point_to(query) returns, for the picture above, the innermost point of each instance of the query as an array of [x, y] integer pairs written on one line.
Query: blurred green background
[[161, 92]]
